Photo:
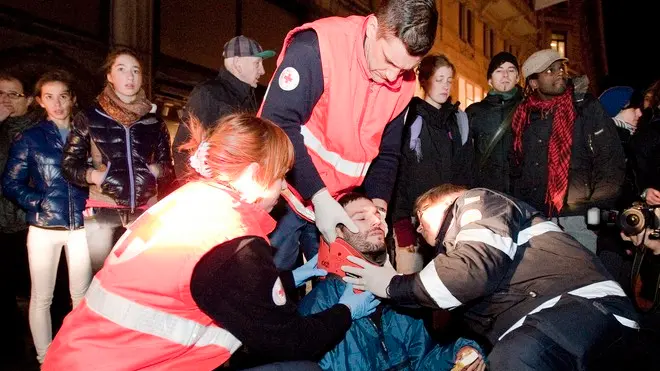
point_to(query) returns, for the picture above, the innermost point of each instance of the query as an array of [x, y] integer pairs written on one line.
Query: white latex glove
[[328, 213], [370, 277]]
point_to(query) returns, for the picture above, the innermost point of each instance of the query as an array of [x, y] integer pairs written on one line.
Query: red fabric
[[152, 265], [404, 232], [106, 205], [561, 140]]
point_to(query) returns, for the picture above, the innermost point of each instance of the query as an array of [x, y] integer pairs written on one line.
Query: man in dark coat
[[231, 91]]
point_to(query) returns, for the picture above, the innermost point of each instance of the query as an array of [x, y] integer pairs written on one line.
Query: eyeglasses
[[12, 95]]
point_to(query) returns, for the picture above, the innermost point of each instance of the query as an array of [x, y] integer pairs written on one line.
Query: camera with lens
[[633, 220]]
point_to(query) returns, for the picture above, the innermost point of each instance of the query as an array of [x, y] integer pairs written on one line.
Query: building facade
[[181, 42]]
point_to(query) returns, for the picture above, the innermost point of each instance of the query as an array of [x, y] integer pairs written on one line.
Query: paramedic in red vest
[[340, 92], [193, 277]]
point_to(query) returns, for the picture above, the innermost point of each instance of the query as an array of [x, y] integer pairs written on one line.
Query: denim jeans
[[291, 234]]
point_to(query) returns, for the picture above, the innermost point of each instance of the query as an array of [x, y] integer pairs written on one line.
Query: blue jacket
[[399, 343], [33, 178]]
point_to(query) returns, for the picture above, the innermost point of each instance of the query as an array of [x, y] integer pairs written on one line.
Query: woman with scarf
[[33, 178], [130, 151], [435, 150]]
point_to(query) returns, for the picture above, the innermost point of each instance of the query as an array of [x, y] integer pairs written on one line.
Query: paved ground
[[645, 354], [25, 358]]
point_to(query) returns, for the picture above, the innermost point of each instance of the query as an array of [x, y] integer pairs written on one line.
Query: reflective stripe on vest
[[140, 318], [298, 207], [591, 291], [346, 167]]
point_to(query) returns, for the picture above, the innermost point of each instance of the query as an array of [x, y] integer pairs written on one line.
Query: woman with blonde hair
[[193, 278]]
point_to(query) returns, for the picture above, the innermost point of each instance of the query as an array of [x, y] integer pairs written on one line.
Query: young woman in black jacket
[[130, 151], [33, 178], [435, 150]]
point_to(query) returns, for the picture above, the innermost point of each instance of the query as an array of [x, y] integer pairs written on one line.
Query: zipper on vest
[[60, 141], [366, 100], [129, 159], [364, 109]]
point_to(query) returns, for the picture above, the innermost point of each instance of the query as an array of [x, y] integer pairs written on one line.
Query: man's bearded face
[[371, 236]]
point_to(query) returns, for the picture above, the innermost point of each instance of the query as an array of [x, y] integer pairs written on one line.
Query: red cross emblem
[[289, 79]]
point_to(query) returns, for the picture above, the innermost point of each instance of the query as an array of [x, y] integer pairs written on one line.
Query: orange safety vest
[[344, 131], [139, 313]]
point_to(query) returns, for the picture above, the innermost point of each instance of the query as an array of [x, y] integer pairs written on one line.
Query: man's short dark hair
[[414, 22], [350, 197], [10, 76]]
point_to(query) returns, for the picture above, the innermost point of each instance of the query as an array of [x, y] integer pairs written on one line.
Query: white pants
[[102, 232], [44, 249]]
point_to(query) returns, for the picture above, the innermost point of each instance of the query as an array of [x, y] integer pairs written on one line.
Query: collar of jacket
[[619, 122], [446, 224], [499, 97], [242, 89], [15, 125], [431, 115], [263, 218]]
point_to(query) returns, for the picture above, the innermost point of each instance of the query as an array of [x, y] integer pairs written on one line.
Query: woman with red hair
[[193, 278]]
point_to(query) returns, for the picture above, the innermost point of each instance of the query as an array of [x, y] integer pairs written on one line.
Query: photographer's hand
[[642, 238], [652, 196]]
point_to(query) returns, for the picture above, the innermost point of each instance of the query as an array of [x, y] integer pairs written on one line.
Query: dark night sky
[[632, 36]]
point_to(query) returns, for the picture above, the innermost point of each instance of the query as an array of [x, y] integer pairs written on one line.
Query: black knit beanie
[[499, 59]]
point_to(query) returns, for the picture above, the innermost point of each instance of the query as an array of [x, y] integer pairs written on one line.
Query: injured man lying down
[[388, 339]]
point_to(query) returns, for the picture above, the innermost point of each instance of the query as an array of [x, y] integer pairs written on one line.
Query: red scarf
[[561, 139]]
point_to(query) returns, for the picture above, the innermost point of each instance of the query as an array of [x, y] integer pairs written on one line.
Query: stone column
[[132, 25]]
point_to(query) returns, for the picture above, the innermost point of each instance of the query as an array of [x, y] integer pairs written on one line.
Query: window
[[489, 41], [558, 43], [468, 92], [465, 25]]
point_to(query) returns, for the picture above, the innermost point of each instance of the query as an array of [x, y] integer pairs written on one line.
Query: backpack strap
[[463, 126], [504, 126]]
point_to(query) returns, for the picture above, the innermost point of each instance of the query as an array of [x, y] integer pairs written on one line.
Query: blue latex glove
[[308, 270], [361, 305]]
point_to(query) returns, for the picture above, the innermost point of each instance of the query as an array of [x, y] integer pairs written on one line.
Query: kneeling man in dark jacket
[[386, 340], [543, 301]]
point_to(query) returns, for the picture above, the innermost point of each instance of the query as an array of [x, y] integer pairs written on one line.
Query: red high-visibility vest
[[344, 131], [139, 313]]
